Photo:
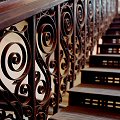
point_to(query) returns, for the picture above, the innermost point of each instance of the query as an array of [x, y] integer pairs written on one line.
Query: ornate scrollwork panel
[[46, 44], [102, 11], [15, 66], [80, 36], [66, 45], [96, 24], [89, 27]]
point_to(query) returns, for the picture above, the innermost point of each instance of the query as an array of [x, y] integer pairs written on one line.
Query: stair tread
[[107, 55], [107, 70], [109, 44], [83, 113], [114, 28], [116, 23], [97, 89], [110, 36]]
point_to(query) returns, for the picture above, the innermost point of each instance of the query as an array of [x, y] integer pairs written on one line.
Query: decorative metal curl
[[80, 14], [46, 46], [23, 64], [4, 116], [44, 89], [47, 40], [66, 46], [14, 105], [41, 116], [96, 24], [46, 34], [66, 33], [90, 9], [66, 20], [80, 36], [14, 58]]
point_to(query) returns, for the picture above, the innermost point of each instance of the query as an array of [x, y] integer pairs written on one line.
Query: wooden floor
[[79, 113]]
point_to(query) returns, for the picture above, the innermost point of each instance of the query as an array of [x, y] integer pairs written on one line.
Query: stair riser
[[92, 77], [108, 49], [106, 62], [116, 20], [115, 25], [94, 101], [111, 38], [113, 32]]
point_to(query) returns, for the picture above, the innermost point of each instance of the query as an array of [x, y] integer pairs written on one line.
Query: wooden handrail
[[11, 13]]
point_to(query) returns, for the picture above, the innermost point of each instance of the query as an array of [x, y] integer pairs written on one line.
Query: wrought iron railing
[[41, 59]]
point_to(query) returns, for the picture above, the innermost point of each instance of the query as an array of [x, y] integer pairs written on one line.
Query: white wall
[[119, 6]]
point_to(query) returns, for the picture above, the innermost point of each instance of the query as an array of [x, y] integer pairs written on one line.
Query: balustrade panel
[[42, 51]]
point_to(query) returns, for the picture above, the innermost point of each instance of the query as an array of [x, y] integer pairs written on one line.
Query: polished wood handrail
[[11, 13]]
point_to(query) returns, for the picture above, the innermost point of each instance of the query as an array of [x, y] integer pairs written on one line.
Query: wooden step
[[111, 45], [103, 76], [92, 69], [116, 19], [115, 22], [110, 36], [95, 96], [114, 28], [114, 25], [108, 48], [111, 39], [105, 90], [105, 60], [113, 31], [83, 113]]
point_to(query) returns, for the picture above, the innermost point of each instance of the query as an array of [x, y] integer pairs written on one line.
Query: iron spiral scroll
[[97, 12], [66, 46], [15, 66], [45, 57], [80, 36], [89, 28]]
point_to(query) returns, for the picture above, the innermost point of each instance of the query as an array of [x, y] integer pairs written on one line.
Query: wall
[[119, 6]]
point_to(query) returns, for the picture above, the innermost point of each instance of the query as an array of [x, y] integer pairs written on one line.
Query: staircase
[[98, 95]]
